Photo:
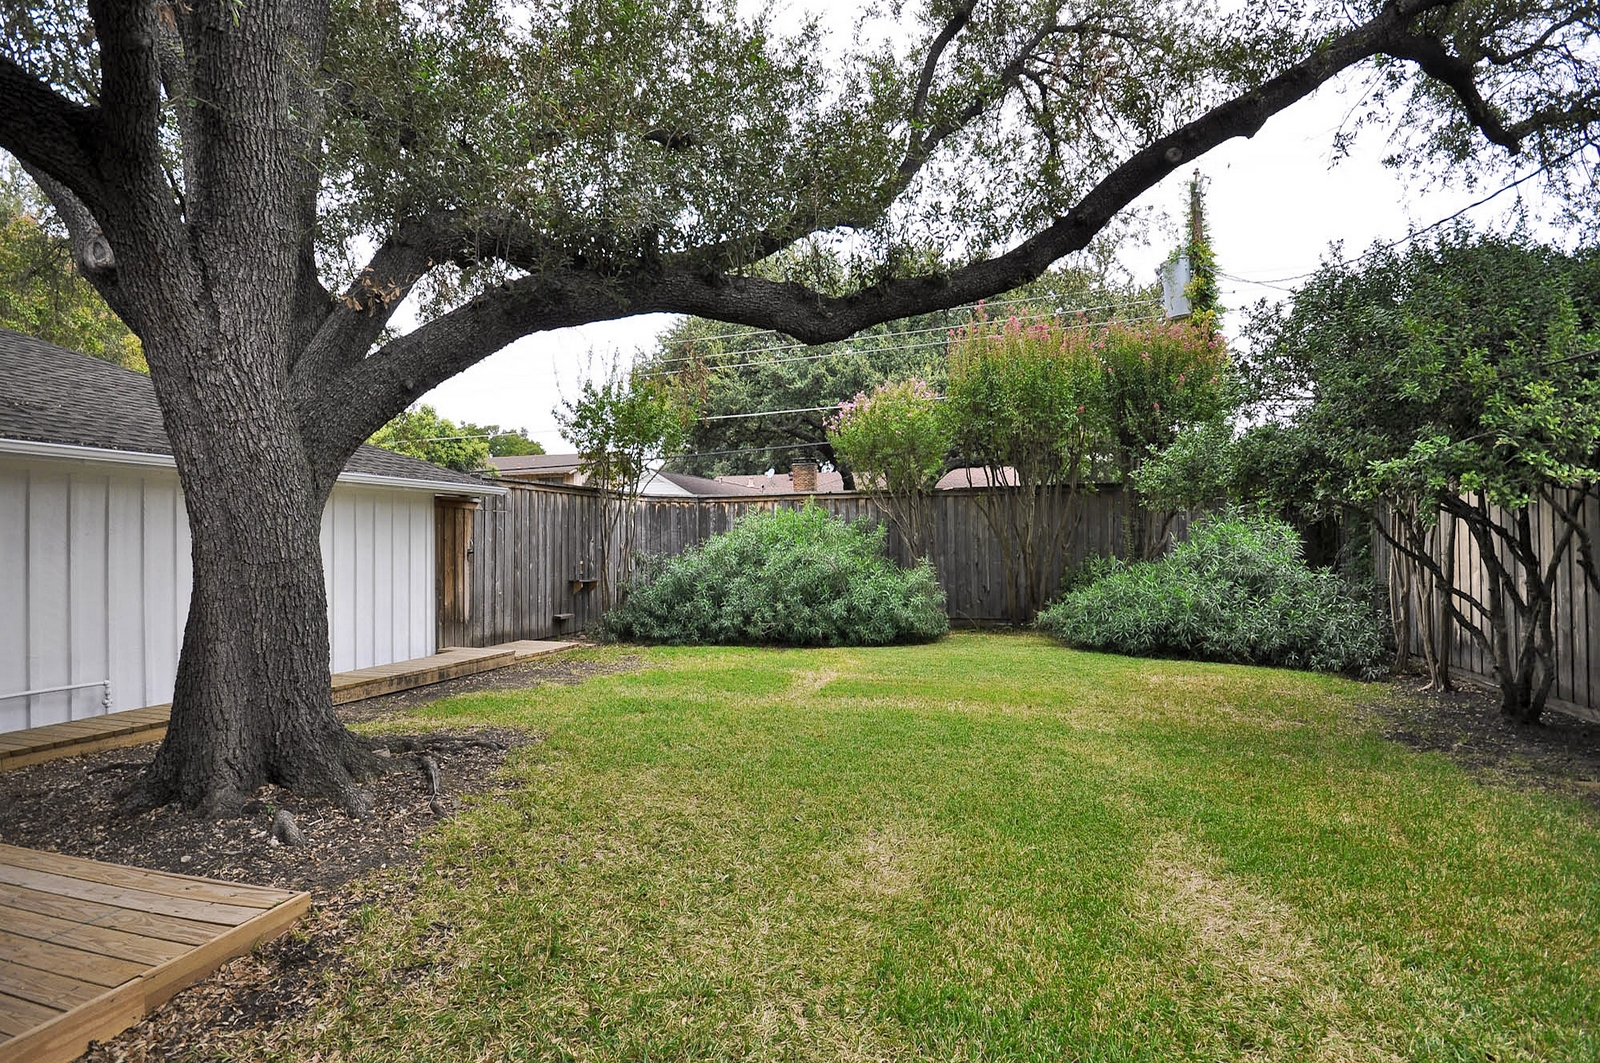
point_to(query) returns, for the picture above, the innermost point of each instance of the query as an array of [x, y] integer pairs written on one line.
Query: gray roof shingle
[[50, 394]]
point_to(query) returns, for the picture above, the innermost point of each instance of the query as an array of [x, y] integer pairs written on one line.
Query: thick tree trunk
[[252, 702]]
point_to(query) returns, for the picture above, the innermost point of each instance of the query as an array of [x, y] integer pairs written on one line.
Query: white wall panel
[[48, 600], [13, 593], [163, 568], [95, 578], [366, 555], [86, 576], [125, 579]]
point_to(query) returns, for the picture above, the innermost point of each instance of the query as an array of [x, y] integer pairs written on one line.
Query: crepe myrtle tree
[[256, 187]]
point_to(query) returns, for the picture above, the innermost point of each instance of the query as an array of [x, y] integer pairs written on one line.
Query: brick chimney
[[803, 476]]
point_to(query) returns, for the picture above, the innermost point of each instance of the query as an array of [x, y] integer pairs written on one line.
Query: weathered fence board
[[507, 568], [1576, 615]]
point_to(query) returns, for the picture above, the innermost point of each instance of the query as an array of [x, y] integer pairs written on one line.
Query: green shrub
[[797, 578], [1237, 590]]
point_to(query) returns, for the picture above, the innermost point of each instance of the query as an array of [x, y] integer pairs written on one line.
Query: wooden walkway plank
[[87, 948], [44, 987], [88, 967], [118, 944], [67, 1034], [109, 917], [18, 1015], [123, 897], [200, 889]]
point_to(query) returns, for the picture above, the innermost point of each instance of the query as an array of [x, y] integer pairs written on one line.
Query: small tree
[[1159, 378], [1457, 380], [619, 424], [507, 442], [896, 440], [422, 433], [1027, 406]]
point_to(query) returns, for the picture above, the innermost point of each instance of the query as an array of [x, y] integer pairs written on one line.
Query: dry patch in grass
[[892, 861], [1267, 974], [810, 682]]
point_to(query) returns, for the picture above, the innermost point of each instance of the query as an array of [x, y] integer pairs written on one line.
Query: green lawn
[[988, 848]]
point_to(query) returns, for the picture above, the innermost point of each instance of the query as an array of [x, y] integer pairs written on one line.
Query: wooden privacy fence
[[525, 565], [1576, 616]]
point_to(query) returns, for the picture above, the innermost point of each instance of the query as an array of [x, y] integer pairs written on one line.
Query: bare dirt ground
[[1560, 755]]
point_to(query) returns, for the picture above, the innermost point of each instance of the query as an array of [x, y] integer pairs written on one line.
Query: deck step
[[90, 948]]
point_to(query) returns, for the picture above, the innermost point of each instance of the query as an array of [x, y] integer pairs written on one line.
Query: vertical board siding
[[95, 579], [48, 603], [86, 608], [13, 594], [1576, 616]]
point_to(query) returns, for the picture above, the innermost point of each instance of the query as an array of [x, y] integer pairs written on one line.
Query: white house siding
[[377, 554], [95, 577]]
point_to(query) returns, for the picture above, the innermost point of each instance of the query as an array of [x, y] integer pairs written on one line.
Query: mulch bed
[[71, 806], [1560, 755]]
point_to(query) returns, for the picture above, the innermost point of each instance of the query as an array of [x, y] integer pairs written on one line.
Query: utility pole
[[1196, 217]]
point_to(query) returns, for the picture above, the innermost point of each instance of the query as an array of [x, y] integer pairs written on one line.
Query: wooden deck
[[38, 744], [87, 948]]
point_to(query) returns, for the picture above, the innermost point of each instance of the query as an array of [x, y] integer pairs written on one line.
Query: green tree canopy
[[422, 433], [42, 292], [621, 424], [1460, 378], [506, 442], [739, 372], [896, 439]]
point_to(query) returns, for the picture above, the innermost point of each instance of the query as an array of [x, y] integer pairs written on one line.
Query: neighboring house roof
[[55, 396], [682, 484], [977, 476], [782, 483], [533, 463], [542, 468]]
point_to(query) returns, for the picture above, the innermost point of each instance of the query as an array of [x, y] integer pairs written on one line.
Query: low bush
[[1237, 590], [789, 577]]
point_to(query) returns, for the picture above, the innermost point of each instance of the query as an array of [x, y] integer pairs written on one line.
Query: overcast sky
[[1275, 204]]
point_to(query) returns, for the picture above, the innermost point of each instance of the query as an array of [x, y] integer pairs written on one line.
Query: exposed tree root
[[432, 744], [334, 776]]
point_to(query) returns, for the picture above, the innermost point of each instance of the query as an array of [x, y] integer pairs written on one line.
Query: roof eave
[[32, 448]]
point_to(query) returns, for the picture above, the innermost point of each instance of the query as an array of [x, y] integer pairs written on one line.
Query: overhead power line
[[892, 349], [770, 413], [745, 450], [1276, 282]]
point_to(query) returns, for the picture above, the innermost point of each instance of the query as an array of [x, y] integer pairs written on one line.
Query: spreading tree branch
[[1435, 60], [48, 133], [365, 392]]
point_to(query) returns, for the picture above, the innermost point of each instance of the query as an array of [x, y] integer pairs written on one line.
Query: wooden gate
[[454, 521]]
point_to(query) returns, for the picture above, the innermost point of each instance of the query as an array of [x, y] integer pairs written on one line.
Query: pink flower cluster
[[914, 387]]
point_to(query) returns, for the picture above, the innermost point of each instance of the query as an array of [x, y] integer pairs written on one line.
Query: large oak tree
[[256, 185]]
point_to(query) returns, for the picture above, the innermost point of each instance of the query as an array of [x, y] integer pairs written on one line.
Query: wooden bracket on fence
[[583, 585], [561, 618]]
